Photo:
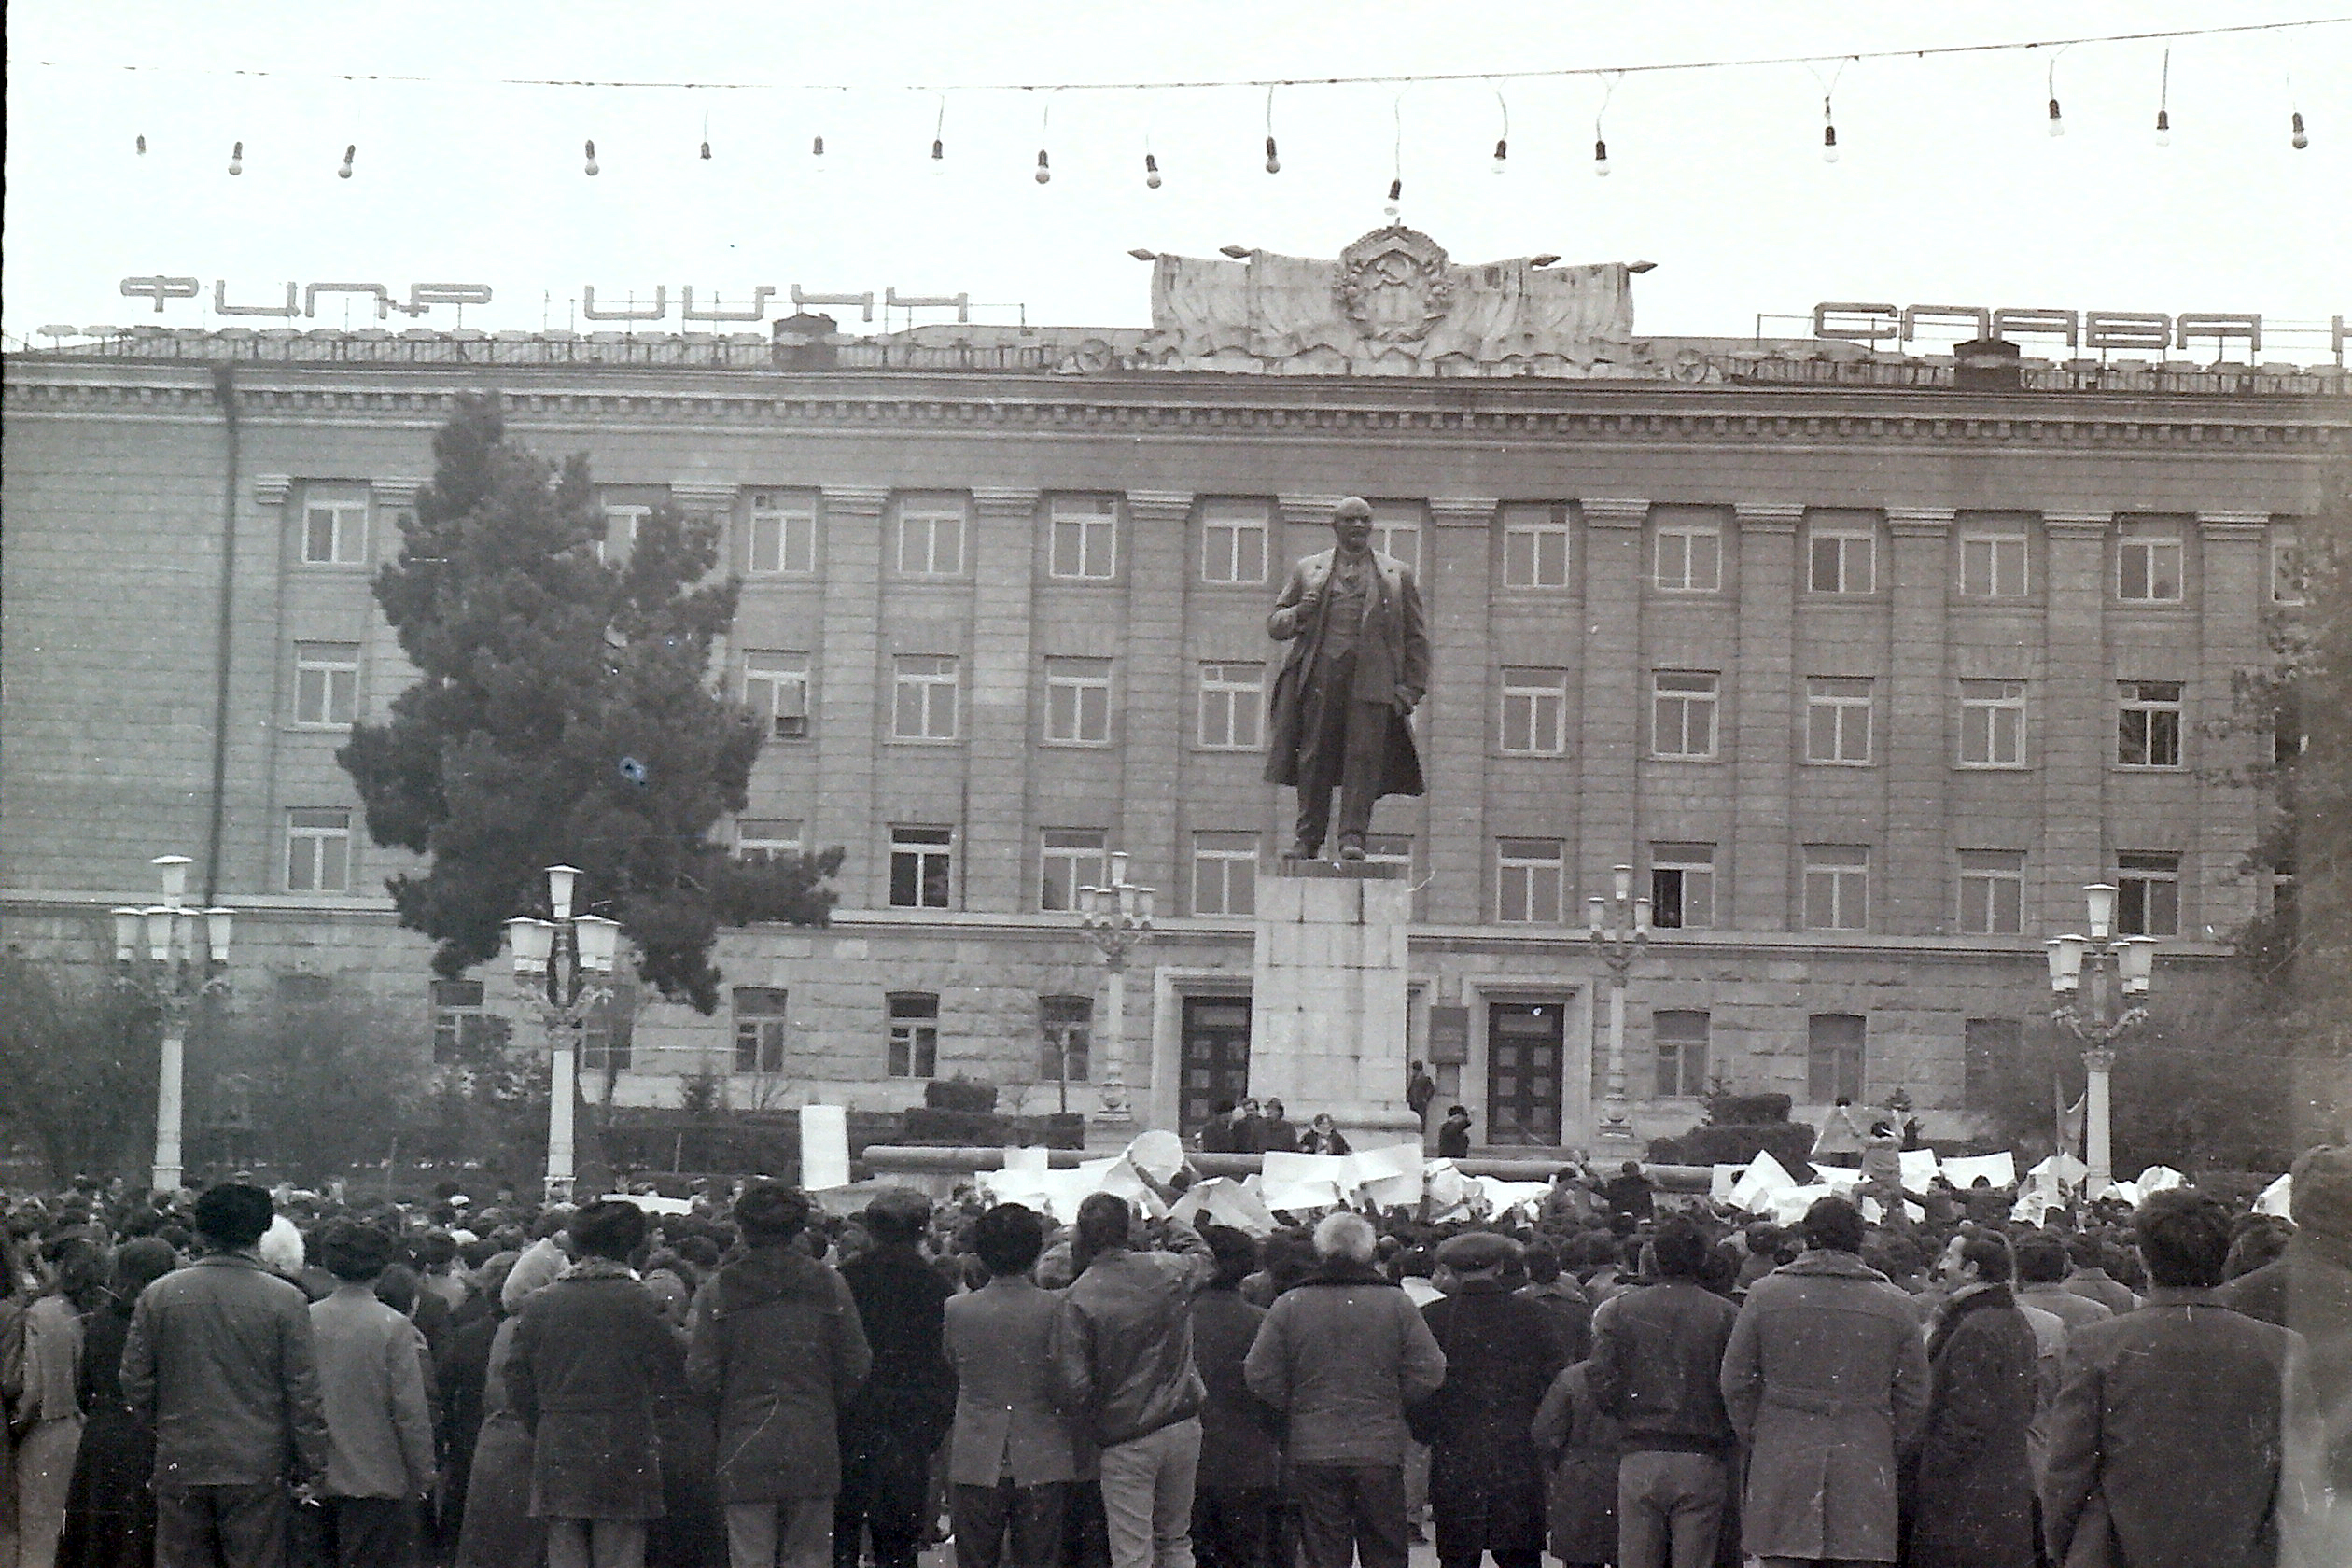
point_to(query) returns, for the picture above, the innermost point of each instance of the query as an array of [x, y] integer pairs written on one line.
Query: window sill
[[1050, 745], [935, 742], [1992, 767], [1676, 757], [1054, 582], [2148, 767], [1828, 763], [300, 727], [1531, 756]]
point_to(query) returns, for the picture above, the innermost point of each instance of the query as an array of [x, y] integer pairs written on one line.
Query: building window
[[1078, 702], [1086, 538], [1224, 874], [914, 1034], [2285, 568], [1843, 558], [1833, 1057], [767, 839], [334, 531], [921, 859], [1074, 858], [1836, 887], [1990, 1049], [2148, 569], [1993, 566], [1680, 1037], [760, 1027], [1682, 886], [463, 1029], [931, 539], [622, 522], [776, 690], [608, 1034], [1683, 715], [1233, 544], [1687, 557], [1232, 706], [318, 851], [2147, 724], [1535, 712], [2148, 895], [1993, 723], [1837, 720], [1535, 548], [925, 709], [1397, 531], [1528, 874], [1992, 893], [326, 684], [1065, 1028], [783, 534]]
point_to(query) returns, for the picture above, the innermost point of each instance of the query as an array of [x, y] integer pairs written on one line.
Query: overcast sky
[[1949, 189]]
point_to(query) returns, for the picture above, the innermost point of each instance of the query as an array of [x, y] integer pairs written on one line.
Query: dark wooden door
[[1216, 1056], [1524, 1045]]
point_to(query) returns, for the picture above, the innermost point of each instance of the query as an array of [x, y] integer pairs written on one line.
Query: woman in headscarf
[[46, 1422], [111, 1504]]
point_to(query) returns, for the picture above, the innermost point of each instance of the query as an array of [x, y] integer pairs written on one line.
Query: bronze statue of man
[[1357, 666]]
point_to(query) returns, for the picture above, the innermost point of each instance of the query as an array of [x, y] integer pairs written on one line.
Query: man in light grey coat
[[1825, 1379]]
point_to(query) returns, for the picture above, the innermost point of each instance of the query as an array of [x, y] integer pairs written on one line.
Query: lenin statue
[[1357, 666]]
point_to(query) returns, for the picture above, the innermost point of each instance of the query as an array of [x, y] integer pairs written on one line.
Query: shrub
[[959, 1093], [1737, 1143]]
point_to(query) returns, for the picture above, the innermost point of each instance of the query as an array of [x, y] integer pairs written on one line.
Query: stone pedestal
[[1327, 1008]]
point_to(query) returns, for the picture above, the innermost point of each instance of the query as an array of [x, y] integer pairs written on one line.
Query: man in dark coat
[[1656, 1356], [1013, 1456], [777, 1338], [1358, 665], [1485, 1481], [1826, 1381], [2166, 1443], [1240, 1455], [590, 1352], [2309, 1289], [1972, 1485], [889, 1431], [1453, 1133]]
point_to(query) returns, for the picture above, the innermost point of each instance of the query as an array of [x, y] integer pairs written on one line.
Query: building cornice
[[1376, 410]]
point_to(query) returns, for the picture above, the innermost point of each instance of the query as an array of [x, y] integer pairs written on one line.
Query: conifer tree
[[564, 713]]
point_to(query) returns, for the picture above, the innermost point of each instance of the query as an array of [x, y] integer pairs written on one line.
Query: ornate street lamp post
[[2100, 983], [562, 959], [1116, 919], [177, 978], [1618, 928]]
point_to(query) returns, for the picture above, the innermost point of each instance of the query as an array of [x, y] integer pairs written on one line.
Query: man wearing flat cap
[[1358, 665], [890, 1431], [1486, 1483]]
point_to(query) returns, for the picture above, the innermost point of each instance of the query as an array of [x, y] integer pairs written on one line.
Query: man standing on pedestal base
[[1358, 664]]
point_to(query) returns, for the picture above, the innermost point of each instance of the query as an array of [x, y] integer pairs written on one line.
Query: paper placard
[[1721, 1178], [2159, 1178], [2277, 1198], [2060, 1167], [1763, 1177], [1039, 1159], [1838, 1179], [824, 1131], [1162, 1154], [1919, 1169], [1221, 1200], [1999, 1170]]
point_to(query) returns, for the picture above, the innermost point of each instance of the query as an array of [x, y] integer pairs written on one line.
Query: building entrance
[[1216, 1056], [1524, 1043]]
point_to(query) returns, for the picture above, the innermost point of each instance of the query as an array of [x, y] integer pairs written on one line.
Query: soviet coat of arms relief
[[1393, 285]]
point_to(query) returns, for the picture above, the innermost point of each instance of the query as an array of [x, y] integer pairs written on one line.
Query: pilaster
[[2076, 744], [2233, 586], [1004, 574], [1153, 702], [1614, 698], [850, 694], [1914, 727], [1762, 722], [1453, 720]]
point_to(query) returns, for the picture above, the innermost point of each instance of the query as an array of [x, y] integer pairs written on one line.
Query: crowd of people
[[1625, 1377]]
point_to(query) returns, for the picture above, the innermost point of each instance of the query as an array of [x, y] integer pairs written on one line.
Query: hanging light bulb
[[1503, 142], [939, 151], [706, 152], [2300, 138], [1828, 144], [2163, 103], [1396, 190], [2164, 128], [939, 138], [142, 146], [1151, 173], [1044, 169], [1273, 159], [1601, 158], [350, 152], [1502, 152], [588, 151], [236, 159], [2057, 120]]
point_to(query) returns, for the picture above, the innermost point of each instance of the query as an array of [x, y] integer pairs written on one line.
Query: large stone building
[[1865, 675]]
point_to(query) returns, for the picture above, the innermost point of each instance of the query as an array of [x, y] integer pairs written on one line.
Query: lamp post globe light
[[565, 960], [1117, 918], [2099, 985], [1619, 928], [176, 957]]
